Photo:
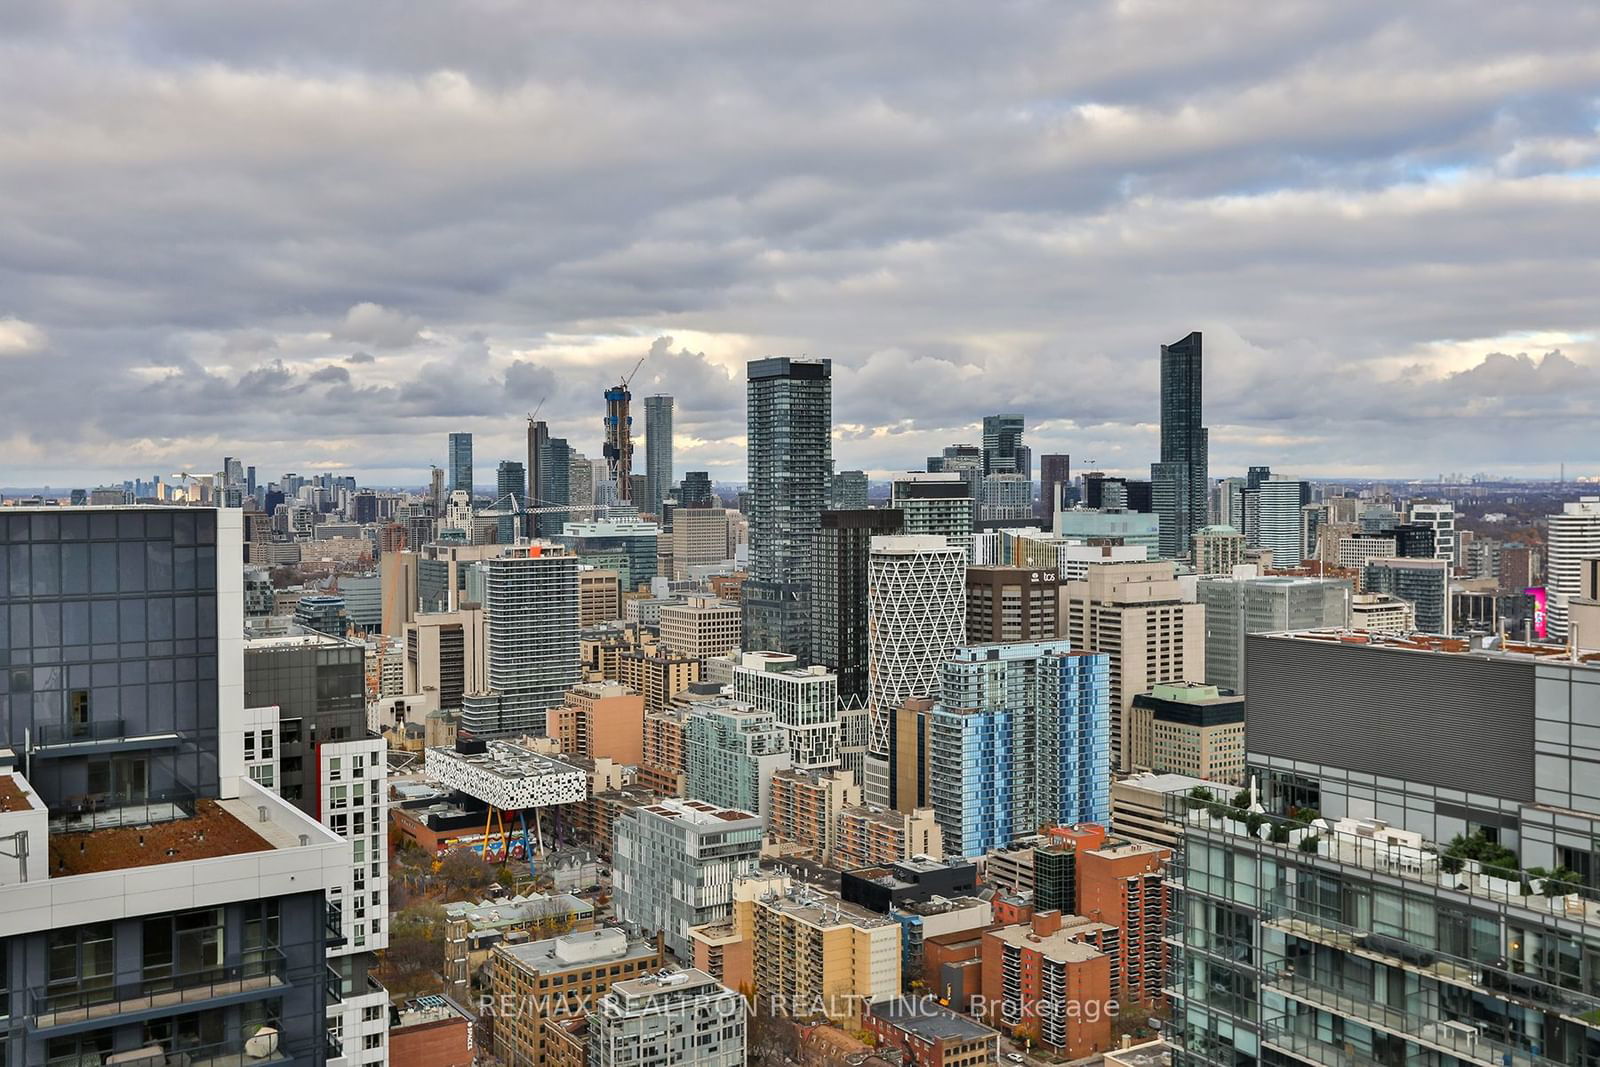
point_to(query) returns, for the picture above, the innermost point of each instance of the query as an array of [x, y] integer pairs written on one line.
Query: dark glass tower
[[461, 462], [790, 425], [509, 482], [1055, 474], [1178, 481], [555, 482], [1003, 450], [839, 592]]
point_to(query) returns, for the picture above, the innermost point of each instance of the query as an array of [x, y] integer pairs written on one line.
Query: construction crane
[[495, 511], [629, 379]]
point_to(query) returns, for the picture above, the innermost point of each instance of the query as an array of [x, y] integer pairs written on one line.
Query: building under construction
[[619, 440]]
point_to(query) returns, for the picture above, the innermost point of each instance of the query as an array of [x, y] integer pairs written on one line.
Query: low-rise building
[[868, 836], [558, 978], [1188, 728], [473, 929], [929, 1035], [430, 1031], [684, 1018]]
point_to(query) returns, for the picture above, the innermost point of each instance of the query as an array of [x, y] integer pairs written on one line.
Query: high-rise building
[[696, 492], [460, 463], [803, 702], [839, 593], [1217, 550], [531, 620], [509, 490], [1384, 940], [555, 486], [627, 546], [916, 617], [147, 873], [790, 425], [657, 451], [1019, 738], [1279, 502], [699, 540], [1179, 481], [1055, 476], [618, 448], [1006, 497], [681, 1017], [1121, 884], [1003, 450], [731, 751], [1441, 519], [1135, 612], [1051, 979], [1572, 536], [965, 460], [580, 484], [674, 865], [938, 504], [1425, 583], [847, 490], [1011, 604], [1239, 606]]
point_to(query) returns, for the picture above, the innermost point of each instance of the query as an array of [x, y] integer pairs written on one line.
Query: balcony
[[56, 740], [1459, 1039], [1479, 978], [91, 812], [56, 1007]]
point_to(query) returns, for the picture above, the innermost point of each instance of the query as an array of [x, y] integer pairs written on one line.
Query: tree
[[1199, 797], [1241, 799], [462, 870]]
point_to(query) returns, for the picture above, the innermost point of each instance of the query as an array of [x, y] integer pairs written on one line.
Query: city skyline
[[1362, 309]]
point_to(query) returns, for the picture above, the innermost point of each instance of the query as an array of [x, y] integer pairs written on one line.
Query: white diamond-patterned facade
[[508, 776], [916, 617]]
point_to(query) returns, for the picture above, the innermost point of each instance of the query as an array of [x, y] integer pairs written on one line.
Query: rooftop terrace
[[210, 832]]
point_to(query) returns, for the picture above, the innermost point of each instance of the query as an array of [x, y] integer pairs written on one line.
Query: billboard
[[1541, 611]]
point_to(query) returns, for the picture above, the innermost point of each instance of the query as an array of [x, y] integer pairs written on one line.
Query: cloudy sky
[[322, 236]]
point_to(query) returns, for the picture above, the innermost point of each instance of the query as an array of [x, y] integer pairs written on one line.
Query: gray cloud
[[1370, 210]]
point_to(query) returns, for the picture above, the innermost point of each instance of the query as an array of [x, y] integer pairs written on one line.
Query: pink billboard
[[1541, 611]]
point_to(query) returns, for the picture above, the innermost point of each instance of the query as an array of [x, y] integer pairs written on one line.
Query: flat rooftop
[[1451, 646], [699, 813], [670, 980], [13, 798], [212, 831], [1061, 945], [813, 907], [517, 911], [608, 945], [508, 760], [1150, 1054], [925, 1018]]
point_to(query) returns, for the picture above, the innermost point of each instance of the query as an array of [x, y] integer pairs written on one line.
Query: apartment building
[[559, 978], [678, 1017]]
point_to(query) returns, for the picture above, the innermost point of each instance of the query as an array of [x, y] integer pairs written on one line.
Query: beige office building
[[699, 539], [703, 626], [1136, 614]]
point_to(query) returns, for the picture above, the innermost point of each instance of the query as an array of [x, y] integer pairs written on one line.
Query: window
[[335, 768], [372, 1041], [266, 744], [371, 1014], [81, 965], [249, 744], [261, 774]]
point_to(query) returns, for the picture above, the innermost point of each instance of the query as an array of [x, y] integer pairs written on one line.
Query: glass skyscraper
[[657, 451], [790, 424], [509, 482], [1179, 480], [461, 462]]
